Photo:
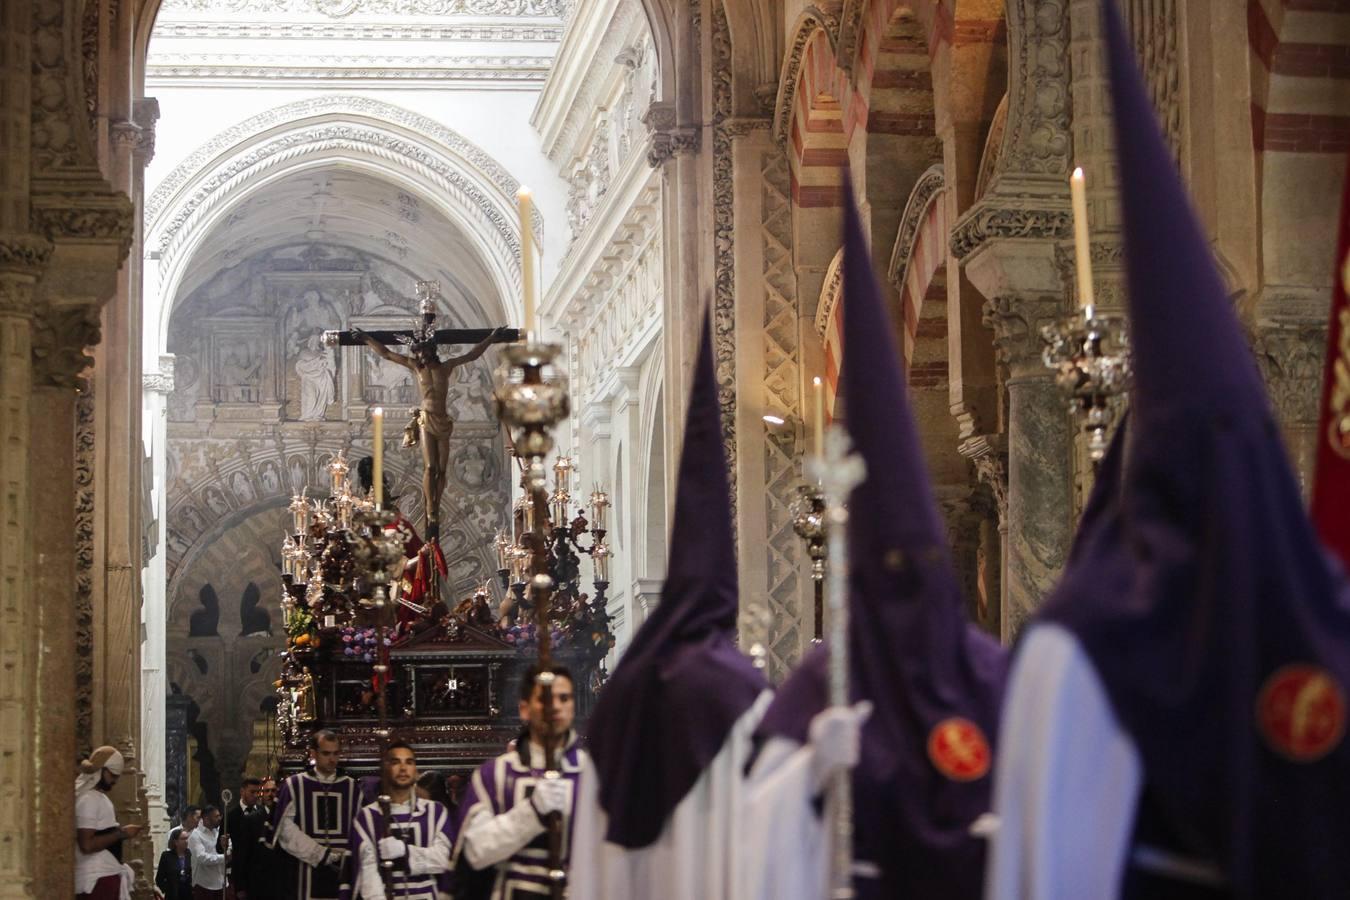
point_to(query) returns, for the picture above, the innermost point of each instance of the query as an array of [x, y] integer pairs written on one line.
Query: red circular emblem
[[959, 750], [1301, 712]]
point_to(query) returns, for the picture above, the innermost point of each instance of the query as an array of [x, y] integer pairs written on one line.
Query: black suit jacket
[[263, 869], [166, 877]]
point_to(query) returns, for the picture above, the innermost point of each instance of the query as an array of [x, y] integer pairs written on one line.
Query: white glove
[[335, 858], [392, 848], [550, 796], [836, 740]]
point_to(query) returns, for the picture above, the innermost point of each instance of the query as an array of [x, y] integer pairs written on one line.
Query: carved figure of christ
[[433, 383]]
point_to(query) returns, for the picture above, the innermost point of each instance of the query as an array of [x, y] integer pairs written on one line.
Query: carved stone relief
[[84, 573], [1037, 139], [724, 226]]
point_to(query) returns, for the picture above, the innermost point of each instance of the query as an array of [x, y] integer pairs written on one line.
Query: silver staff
[[839, 472]]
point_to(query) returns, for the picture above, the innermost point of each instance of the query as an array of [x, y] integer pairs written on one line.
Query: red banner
[[1331, 486]]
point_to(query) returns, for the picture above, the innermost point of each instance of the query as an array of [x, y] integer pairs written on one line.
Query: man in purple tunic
[[313, 819], [415, 851], [660, 812], [1176, 715], [501, 844], [921, 788]]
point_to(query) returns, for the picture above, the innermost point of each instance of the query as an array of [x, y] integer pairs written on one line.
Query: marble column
[[1026, 289], [154, 679]]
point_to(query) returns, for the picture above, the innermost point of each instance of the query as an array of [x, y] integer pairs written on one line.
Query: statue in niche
[[315, 365], [270, 478], [243, 491], [318, 379], [205, 622], [252, 619], [215, 501]]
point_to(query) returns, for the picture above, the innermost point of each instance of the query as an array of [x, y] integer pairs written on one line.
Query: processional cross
[[432, 423]]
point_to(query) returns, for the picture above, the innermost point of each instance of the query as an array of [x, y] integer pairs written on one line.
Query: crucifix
[[432, 418]]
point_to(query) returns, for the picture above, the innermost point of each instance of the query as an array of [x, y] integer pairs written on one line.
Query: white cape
[[786, 846], [1067, 779], [697, 855]]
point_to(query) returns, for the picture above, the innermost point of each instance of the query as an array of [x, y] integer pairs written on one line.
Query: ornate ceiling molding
[[340, 9], [255, 67], [812, 20], [334, 139], [339, 106], [597, 70], [422, 32]]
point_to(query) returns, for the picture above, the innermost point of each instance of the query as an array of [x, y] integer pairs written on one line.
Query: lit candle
[[377, 416], [526, 201], [1078, 191], [818, 395]]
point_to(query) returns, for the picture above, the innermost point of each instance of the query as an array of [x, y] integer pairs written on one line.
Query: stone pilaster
[[154, 679], [21, 260], [58, 359]]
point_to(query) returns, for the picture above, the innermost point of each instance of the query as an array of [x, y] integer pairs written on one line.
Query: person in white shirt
[[99, 872], [406, 855], [210, 854]]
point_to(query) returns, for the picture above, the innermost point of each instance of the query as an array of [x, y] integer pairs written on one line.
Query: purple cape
[[1197, 586], [682, 683], [935, 680]]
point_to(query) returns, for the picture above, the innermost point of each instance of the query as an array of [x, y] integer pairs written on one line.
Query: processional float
[[441, 672]]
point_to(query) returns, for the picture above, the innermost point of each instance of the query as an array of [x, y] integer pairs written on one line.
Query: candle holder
[[1090, 354], [808, 521]]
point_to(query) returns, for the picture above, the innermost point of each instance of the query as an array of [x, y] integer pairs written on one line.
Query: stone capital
[[1292, 354], [161, 381], [84, 210], [1017, 322], [60, 336], [668, 138]]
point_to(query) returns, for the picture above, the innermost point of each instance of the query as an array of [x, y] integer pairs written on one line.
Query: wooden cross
[[427, 293]]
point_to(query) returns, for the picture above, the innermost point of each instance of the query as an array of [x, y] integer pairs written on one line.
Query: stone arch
[[893, 108], [829, 326], [808, 117], [411, 151], [920, 251]]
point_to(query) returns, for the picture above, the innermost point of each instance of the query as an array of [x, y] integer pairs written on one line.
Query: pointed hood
[[682, 683], [935, 681], [1219, 628]]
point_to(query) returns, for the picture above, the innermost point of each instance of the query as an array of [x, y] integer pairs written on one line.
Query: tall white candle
[[1081, 247], [818, 395], [377, 416], [526, 201]]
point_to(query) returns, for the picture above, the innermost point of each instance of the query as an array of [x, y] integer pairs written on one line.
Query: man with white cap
[[99, 872]]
